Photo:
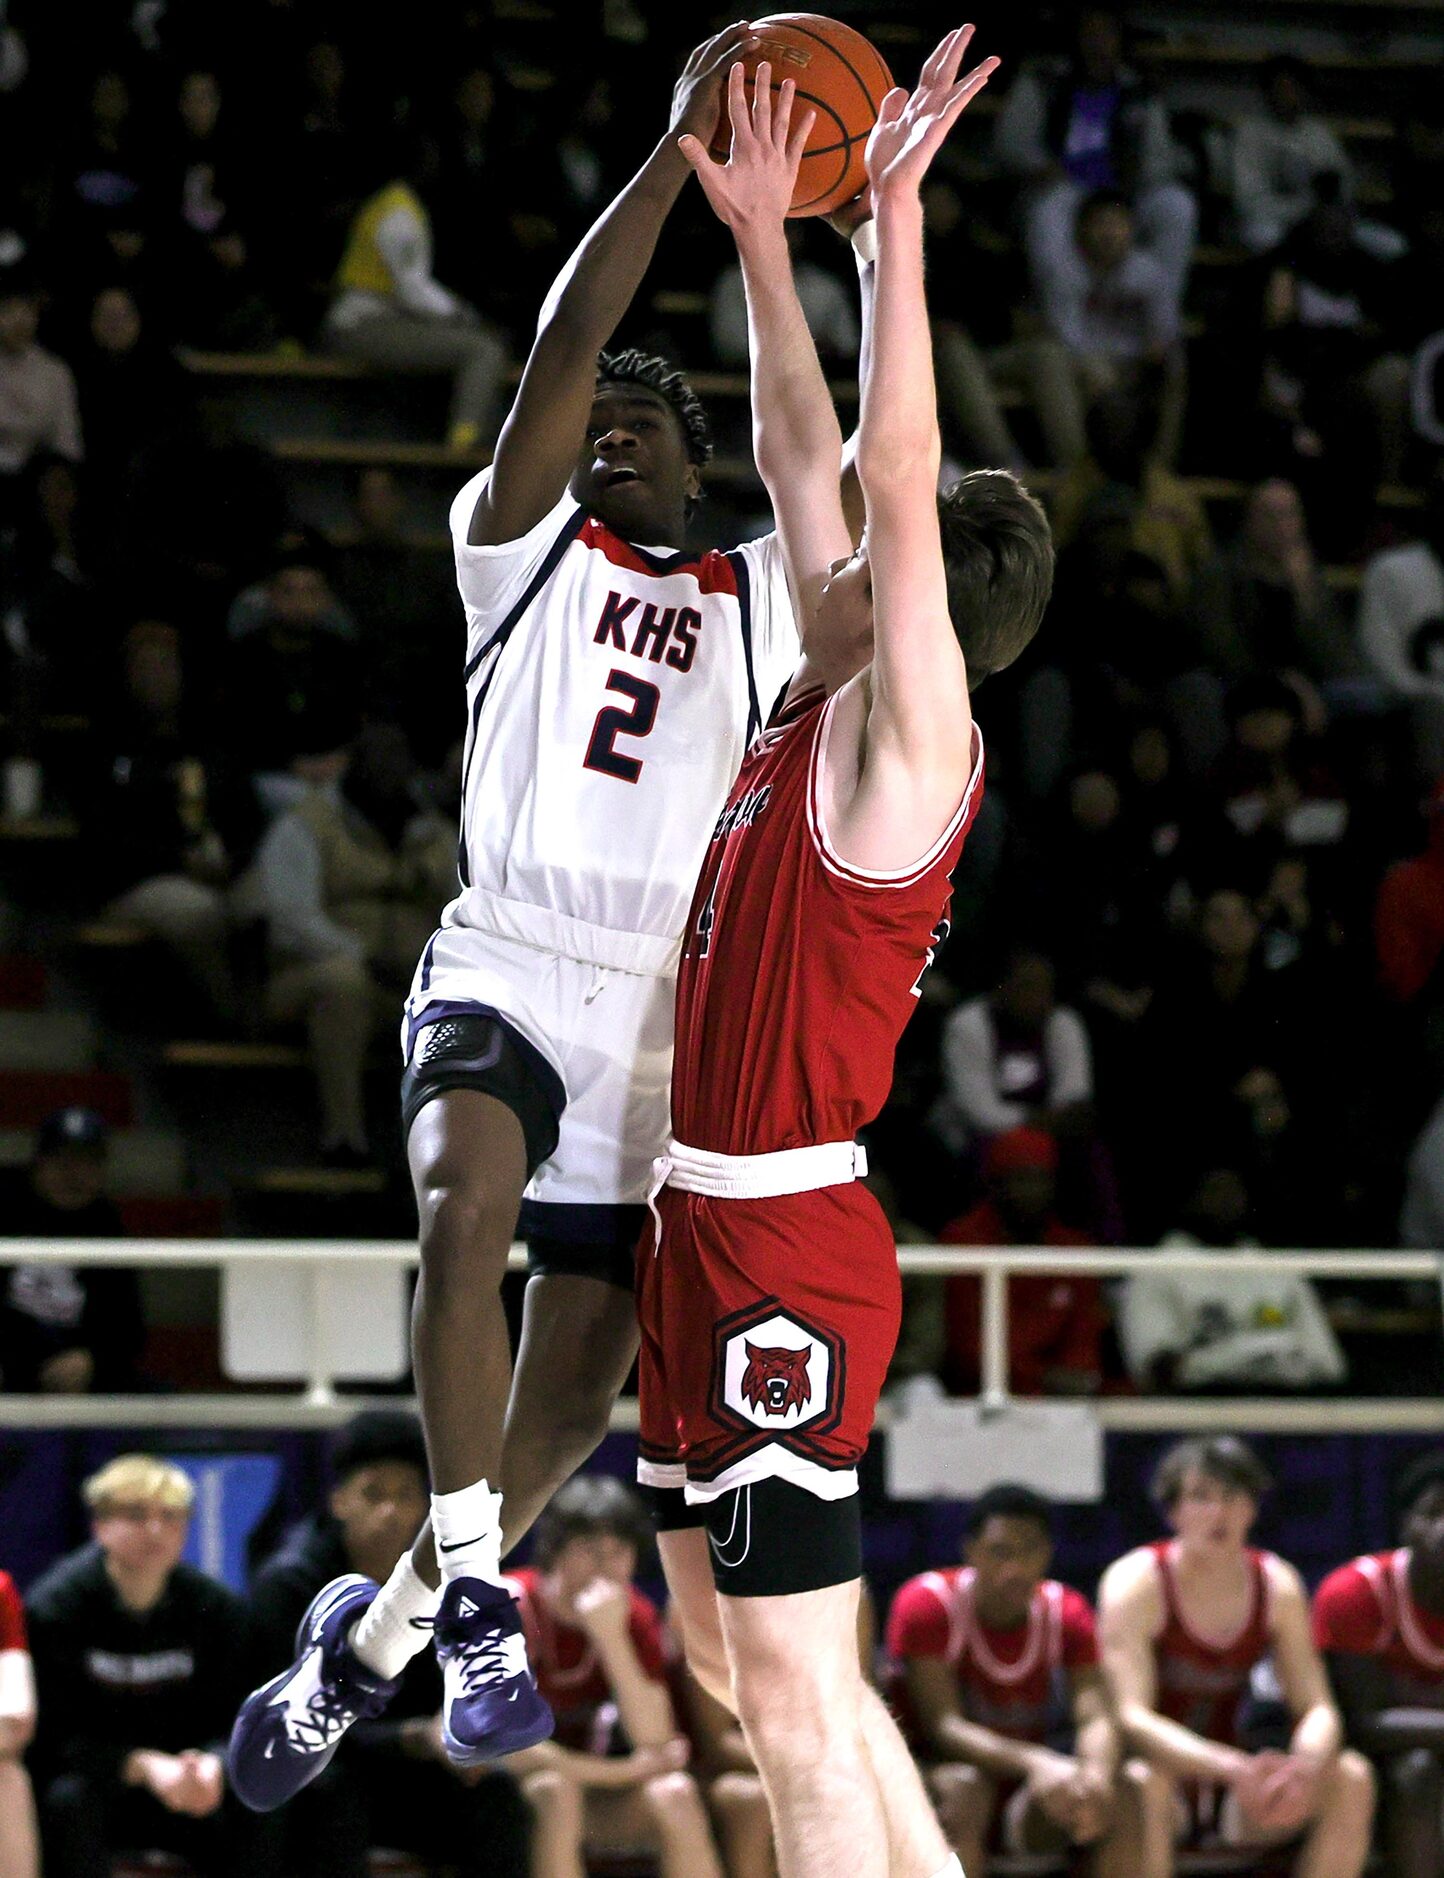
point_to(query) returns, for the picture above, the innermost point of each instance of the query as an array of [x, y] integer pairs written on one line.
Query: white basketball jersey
[[611, 693]]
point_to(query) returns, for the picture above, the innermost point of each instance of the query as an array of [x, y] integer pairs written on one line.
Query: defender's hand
[[910, 128], [697, 95], [753, 188]]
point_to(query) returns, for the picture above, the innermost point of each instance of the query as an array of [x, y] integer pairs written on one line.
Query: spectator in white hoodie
[[1225, 1329]]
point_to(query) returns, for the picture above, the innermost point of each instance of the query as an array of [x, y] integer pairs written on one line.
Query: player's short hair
[[376, 1436], [138, 1480], [588, 1507], [1224, 1458], [998, 558], [1422, 1473], [1009, 1500], [666, 382]]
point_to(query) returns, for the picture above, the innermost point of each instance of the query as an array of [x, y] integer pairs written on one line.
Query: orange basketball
[[843, 78]]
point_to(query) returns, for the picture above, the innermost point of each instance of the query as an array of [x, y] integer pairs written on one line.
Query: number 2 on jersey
[[613, 722]]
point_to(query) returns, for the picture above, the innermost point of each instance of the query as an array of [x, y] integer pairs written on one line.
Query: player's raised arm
[[920, 692], [537, 450], [796, 438]]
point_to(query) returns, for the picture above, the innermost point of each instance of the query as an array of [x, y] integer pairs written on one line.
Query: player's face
[[581, 1562], [1010, 1557], [379, 1509], [1424, 1528], [143, 1537], [633, 472], [1211, 1516], [846, 601]]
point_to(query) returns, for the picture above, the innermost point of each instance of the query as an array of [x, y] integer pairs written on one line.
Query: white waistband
[[760, 1176], [645, 954]]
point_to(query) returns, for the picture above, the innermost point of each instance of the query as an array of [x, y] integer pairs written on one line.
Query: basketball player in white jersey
[[613, 683]]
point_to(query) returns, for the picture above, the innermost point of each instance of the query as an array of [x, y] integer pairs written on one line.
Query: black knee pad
[[769, 1539], [479, 1049]]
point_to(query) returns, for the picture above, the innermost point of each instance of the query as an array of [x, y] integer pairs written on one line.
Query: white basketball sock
[[953, 1868], [386, 1637], [467, 1526]]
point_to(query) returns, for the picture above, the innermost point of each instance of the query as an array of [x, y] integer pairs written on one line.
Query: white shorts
[[606, 1033]]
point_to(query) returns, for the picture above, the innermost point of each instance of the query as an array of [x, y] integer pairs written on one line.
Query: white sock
[[953, 1868], [385, 1637], [467, 1525]]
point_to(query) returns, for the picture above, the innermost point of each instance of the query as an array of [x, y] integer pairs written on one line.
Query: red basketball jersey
[[799, 971], [1008, 1680], [12, 1616], [1366, 1608], [1202, 1684]]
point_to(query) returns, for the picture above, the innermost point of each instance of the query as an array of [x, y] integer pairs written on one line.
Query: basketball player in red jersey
[[1183, 1623], [1379, 1621], [769, 1303], [980, 1655]]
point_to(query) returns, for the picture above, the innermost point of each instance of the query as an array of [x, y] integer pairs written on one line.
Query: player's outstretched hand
[[753, 188], [911, 127], [697, 94]]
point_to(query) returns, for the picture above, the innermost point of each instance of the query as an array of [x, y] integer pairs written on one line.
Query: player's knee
[[737, 1793], [786, 1719], [1415, 1778], [552, 1795], [672, 1798], [460, 1223]]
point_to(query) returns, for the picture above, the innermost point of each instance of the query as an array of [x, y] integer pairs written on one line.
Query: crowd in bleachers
[[1201, 1703], [1198, 928]]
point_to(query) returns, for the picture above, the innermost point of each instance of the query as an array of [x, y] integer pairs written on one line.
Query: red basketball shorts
[[767, 1329]]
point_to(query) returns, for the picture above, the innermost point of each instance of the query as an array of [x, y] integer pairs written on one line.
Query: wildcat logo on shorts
[[774, 1372], [777, 1378]]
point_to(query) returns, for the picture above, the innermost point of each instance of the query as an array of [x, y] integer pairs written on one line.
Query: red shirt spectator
[[1409, 914], [1366, 1608], [1054, 1323], [1008, 1680], [568, 1672], [1201, 1683], [12, 1617]]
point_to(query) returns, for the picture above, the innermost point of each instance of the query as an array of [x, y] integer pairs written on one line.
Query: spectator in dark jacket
[[66, 1329], [138, 1668], [390, 1783], [1262, 606], [161, 805]]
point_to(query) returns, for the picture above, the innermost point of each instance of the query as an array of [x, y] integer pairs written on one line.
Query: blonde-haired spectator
[[138, 1670], [19, 1841]]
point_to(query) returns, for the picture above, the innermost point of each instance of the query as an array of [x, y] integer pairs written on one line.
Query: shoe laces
[[484, 1654], [328, 1712]]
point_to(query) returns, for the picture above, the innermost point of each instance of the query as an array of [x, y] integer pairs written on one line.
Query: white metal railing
[[994, 1265]]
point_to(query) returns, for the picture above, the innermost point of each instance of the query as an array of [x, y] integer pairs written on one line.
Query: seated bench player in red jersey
[[19, 1838], [986, 1658], [769, 1300], [1183, 1624], [1380, 1623], [613, 1778]]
